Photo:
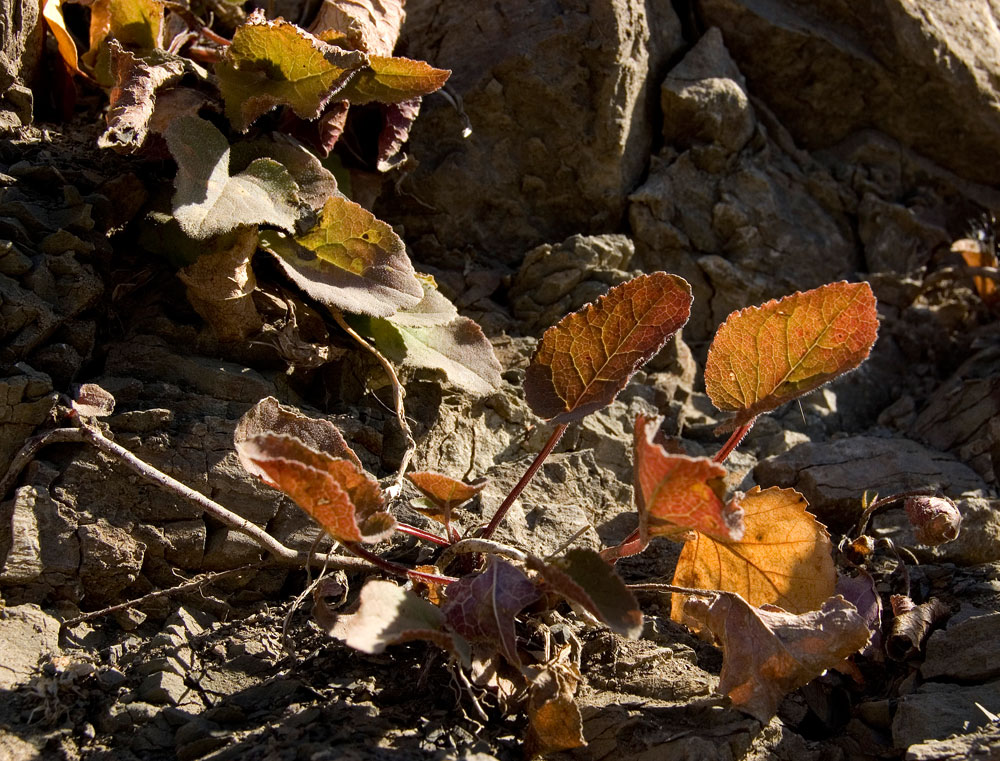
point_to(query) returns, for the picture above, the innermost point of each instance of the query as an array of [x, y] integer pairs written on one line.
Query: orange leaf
[[974, 254], [675, 493], [52, 11], [589, 356], [446, 493], [334, 491], [764, 356], [784, 559]]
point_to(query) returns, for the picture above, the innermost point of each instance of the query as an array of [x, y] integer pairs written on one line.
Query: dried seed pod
[[936, 520]]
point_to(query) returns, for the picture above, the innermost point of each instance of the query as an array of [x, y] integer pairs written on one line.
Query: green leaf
[[393, 80], [316, 182], [208, 201], [274, 63], [350, 261]]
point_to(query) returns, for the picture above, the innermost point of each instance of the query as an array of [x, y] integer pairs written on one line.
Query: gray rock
[[983, 745], [828, 70], [895, 238], [935, 710], [163, 687], [978, 541], [968, 650], [110, 560], [227, 548], [560, 99], [834, 475], [26, 399], [185, 542], [28, 635]]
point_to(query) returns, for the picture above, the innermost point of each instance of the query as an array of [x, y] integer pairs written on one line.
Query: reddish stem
[[406, 528], [519, 486], [633, 545], [395, 568], [733, 441]]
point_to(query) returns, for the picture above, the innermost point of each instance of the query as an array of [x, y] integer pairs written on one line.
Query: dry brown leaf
[[371, 26], [785, 556], [555, 722], [769, 652]]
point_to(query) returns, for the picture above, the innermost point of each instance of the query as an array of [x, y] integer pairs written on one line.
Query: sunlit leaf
[[134, 23], [52, 11], [208, 200], [767, 652], [335, 492], [583, 578], [393, 80], [350, 261], [976, 254], [589, 356], [675, 493], [482, 608], [272, 63], [444, 493], [785, 556], [554, 718], [389, 615], [317, 184], [764, 356]]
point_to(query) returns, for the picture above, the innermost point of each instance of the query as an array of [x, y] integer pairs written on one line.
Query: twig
[[671, 589], [397, 398], [484, 546], [30, 449], [195, 583]]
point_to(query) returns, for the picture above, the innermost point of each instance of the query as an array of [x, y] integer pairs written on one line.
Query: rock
[[916, 70], [833, 475], [22, 35], [163, 687], [186, 543], [227, 548], [29, 634], [743, 217], [560, 100], [895, 237], [556, 280], [966, 651], [983, 745], [110, 560], [978, 541], [26, 399], [963, 415], [935, 710]]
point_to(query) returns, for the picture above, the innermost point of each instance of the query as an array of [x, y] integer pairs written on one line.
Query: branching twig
[[397, 399]]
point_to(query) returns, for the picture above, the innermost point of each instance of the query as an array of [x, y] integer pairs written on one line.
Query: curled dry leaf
[[554, 718], [768, 652], [588, 582], [936, 520], [585, 359], [785, 557], [389, 615], [272, 63], [208, 201], [912, 625], [482, 608], [676, 493], [371, 26], [764, 356], [349, 260]]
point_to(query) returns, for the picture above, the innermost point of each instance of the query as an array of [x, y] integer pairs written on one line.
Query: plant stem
[[395, 568], [633, 545], [406, 528], [671, 589], [733, 441], [880, 503], [519, 486]]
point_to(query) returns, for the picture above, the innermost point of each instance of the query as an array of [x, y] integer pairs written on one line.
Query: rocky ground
[[754, 149]]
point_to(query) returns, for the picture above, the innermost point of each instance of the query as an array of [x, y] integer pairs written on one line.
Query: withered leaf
[[585, 579], [272, 63], [860, 591], [349, 260], [585, 359], [482, 608], [52, 12], [554, 718], [371, 26], [676, 493], [785, 557], [764, 356], [399, 117], [768, 652], [912, 625]]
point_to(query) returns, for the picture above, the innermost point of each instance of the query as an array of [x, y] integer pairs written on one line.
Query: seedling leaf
[[675, 493], [583, 578], [350, 261], [393, 80], [389, 615], [589, 356], [768, 652], [444, 493], [208, 201], [785, 556], [272, 63], [482, 608], [764, 356]]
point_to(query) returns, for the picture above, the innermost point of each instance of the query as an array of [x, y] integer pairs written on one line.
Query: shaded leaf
[[399, 117], [393, 80], [274, 63], [976, 254], [335, 492], [482, 608], [764, 356], [912, 625], [132, 101], [389, 615], [350, 261], [783, 559], [52, 12], [676, 493], [554, 719], [133, 23], [316, 183], [371, 26], [583, 578], [860, 591], [208, 201], [589, 356], [768, 652], [444, 493], [270, 416]]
